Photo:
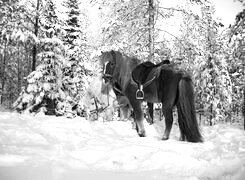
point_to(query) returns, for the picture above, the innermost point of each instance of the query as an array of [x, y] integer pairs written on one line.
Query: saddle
[[145, 73]]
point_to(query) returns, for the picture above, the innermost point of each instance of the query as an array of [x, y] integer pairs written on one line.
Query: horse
[[122, 100], [99, 93], [124, 107], [161, 84]]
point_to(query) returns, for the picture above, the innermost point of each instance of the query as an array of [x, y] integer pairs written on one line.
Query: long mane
[[123, 67]]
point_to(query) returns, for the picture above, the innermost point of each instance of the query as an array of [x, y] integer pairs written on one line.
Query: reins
[[112, 81]]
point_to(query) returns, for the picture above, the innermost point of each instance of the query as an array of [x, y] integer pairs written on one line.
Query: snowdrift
[[56, 148]]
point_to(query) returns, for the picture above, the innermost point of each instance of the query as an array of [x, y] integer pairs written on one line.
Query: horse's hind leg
[[167, 112], [151, 111], [182, 133]]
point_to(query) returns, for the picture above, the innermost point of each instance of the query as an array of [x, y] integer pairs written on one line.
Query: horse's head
[[108, 60], [117, 67], [108, 72]]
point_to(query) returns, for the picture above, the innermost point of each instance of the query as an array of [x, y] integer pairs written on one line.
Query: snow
[[56, 148]]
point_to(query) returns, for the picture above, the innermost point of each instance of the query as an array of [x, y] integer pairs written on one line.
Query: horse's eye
[[112, 64]]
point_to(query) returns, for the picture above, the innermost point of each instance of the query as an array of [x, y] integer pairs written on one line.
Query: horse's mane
[[123, 67]]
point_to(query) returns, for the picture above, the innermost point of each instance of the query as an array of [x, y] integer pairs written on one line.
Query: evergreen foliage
[[59, 82], [236, 59], [214, 56], [213, 74], [44, 85]]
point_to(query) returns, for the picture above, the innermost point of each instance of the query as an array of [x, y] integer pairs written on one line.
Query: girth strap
[[149, 82], [140, 93]]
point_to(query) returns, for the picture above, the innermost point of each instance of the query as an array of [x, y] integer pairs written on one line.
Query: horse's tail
[[186, 112]]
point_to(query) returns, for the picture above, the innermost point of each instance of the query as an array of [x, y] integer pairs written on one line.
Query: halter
[[108, 77], [111, 80]]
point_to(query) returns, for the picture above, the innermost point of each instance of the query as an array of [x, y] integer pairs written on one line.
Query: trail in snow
[[45, 147]]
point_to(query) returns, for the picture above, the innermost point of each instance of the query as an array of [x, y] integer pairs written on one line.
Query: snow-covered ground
[[56, 148]]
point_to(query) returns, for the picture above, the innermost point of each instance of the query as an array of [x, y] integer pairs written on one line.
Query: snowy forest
[[55, 122], [48, 50]]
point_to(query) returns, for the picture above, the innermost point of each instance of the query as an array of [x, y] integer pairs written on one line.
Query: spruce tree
[[44, 85], [213, 82], [75, 71]]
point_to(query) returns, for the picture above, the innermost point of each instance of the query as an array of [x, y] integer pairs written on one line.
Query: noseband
[[108, 77]]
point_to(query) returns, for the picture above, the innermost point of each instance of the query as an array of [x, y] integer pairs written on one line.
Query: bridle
[[108, 78]]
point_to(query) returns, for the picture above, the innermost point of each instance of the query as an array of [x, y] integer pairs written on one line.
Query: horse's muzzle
[[107, 78]]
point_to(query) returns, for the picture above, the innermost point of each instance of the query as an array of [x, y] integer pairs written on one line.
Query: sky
[[227, 10]]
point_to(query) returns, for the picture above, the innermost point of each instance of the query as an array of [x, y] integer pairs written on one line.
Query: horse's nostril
[[107, 83]]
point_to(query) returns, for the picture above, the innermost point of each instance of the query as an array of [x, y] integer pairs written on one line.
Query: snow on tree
[[236, 59], [16, 40], [44, 85], [124, 25], [213, 81], [201, 50], [64, 63], [60, 80], [78, 66], [136, 27]]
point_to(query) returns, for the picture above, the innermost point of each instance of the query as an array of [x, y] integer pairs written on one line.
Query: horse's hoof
[[150, 123], [164, 138], [141, 134], [181, 139]]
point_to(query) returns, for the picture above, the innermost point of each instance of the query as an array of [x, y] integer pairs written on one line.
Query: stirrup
[[140, 93]]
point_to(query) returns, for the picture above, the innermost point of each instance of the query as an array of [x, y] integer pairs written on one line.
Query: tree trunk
[[3, 78], [243, 107], [36, 26], [19, 71], [151, 30]]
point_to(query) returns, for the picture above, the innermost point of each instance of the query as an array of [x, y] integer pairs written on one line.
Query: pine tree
[[44, 88], [213, 81], [15, 36], [73, 26], [201, 49], [236, 59], [75, 70]]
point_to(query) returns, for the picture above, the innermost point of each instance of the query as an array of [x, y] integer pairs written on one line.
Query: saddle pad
[[146, 71]]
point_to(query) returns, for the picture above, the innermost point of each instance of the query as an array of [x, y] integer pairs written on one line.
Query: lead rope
[[108, 102]]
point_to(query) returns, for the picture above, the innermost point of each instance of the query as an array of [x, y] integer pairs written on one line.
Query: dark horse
[[161, 84]]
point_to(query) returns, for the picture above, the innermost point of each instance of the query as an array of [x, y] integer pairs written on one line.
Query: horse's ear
[[166, 61], [113, 53]]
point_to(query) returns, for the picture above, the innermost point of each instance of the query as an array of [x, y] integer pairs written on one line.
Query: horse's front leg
[[138, 118], [139, 122], [137, 109]]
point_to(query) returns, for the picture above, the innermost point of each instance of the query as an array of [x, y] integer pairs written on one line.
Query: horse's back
[[146, 71]]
